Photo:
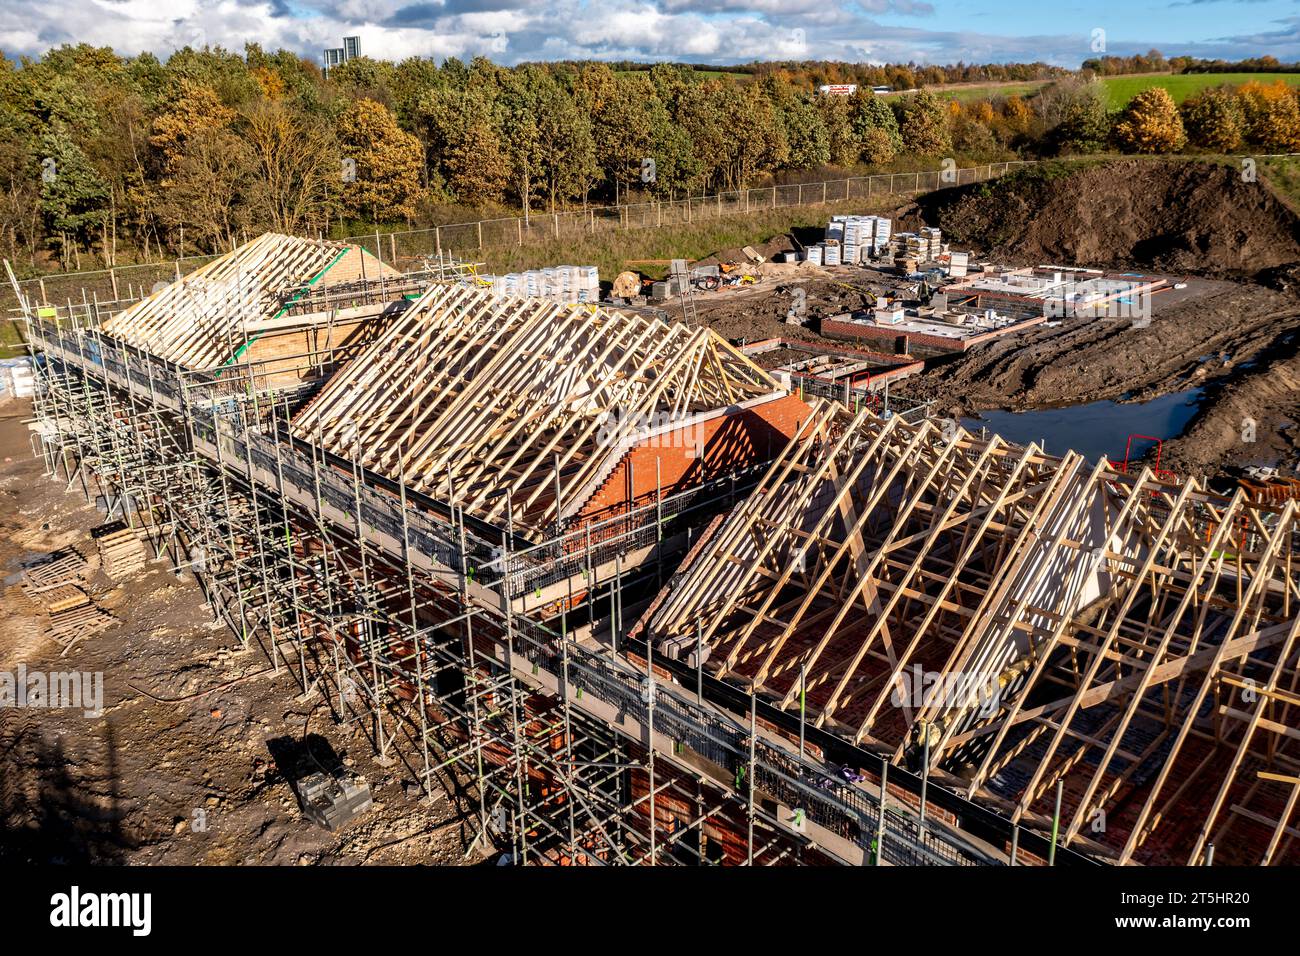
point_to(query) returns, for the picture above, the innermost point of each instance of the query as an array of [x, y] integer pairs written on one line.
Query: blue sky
[[715, 31]]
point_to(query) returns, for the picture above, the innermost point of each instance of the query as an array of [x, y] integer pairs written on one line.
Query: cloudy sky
[[706, 31]]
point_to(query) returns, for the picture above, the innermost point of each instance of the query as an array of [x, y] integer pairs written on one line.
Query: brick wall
[[855, 332], [730, 441]]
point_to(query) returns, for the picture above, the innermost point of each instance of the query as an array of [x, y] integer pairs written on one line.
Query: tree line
[[108, 159]]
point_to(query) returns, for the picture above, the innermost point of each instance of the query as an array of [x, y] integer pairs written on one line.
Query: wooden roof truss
[[198, 321], [1137, 640], [493, 401]]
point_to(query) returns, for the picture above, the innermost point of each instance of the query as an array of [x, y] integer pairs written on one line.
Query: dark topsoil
[[1181, 217]]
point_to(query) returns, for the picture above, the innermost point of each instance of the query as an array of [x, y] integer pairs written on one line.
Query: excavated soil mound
[[1181, 217]]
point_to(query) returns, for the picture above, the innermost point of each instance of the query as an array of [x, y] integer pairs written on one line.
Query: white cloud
[[715, 31]]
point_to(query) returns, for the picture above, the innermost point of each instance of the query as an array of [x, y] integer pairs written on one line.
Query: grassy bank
[[12, 343], [649, 250]]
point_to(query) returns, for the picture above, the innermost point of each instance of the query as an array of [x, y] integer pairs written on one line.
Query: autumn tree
[[1075, 116], [20, 195], [295, 165], [807, 139], [388, 161], [1150, 124], [208, 194], [73, 197], [191, 109], [465, 149], [875, 126], [1271, 114], [754, 141], [923, 124], [1213, 120], [621, 127]]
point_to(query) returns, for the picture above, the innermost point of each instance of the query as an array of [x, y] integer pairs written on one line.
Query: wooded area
[[106, 159]]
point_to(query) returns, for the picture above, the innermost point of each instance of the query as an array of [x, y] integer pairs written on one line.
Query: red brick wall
[[730, 441]]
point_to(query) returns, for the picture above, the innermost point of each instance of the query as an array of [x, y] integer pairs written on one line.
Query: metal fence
[[408, 250], [482, 235]]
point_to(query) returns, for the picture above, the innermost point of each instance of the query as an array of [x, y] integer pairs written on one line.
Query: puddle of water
[[1096, 429]]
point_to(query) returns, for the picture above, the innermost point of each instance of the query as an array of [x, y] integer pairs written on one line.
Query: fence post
[[480, 234], [519, 228]]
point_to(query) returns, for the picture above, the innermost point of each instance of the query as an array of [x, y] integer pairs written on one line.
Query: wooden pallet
[[63, 567], [121, 554], [58, 597], [75, 624]]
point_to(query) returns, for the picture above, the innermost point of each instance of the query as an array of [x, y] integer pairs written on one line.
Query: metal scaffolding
[[419, 622]]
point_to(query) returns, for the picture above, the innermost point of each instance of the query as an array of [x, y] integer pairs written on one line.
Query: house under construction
[[631, 602]]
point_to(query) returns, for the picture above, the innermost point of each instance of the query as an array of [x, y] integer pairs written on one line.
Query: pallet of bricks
[[57, 586]]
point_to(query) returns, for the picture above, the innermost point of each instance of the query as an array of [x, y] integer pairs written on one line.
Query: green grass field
[[1180, 86], [964, 93], [1121, 89]]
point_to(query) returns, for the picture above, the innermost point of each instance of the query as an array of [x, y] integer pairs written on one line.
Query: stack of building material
[[333, 802], [56, 597], [831, 252], [913, 246], [121, 554], [16, 379], [74, 624], [55, 587], [815, 254], [859, 236], [557, 283]]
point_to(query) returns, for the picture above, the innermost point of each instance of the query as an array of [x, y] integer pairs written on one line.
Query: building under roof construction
[[524, 404], [1021, 622], [589, 564], [217, 313]]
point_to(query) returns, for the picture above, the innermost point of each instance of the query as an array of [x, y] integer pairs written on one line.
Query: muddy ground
[[185, 765], [1235, 329]]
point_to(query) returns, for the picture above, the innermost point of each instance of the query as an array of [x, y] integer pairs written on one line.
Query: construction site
[[622, 591]]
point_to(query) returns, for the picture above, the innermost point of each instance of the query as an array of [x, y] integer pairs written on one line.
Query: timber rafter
[[496, 402], [1034, 618]]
